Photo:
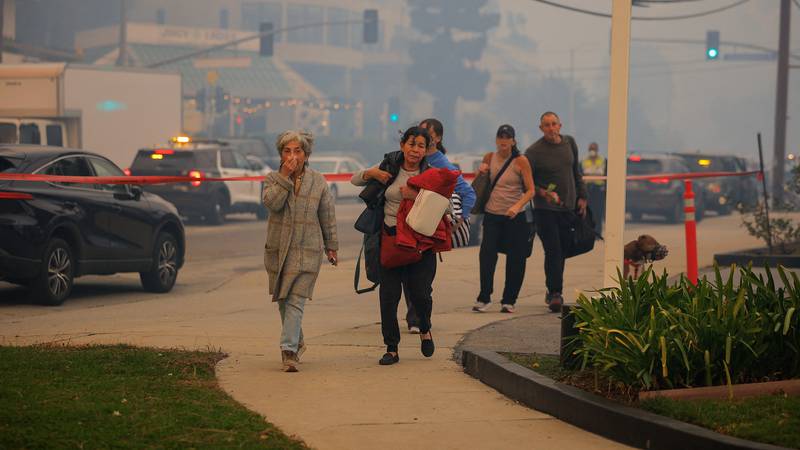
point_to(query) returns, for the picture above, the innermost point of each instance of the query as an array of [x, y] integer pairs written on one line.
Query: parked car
[[255, 148], [723, 195], [660, 196], [326, 164], [211, 201], [51, 233]]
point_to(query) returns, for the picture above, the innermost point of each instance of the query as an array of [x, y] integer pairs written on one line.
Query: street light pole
[[781, 99], [617, 138], [122, 58]]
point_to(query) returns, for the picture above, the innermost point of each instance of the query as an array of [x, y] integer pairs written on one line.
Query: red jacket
[[442, 181]]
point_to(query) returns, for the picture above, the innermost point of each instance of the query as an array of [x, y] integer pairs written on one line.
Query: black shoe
[[556, 300], [427, 347], [388, 359]]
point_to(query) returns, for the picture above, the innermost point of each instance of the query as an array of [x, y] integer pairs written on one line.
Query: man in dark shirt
[[559, 190]]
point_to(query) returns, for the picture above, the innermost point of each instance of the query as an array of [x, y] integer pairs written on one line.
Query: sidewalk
[[341, 398]]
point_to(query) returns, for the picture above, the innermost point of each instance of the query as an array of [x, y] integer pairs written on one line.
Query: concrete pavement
[[341, 398]]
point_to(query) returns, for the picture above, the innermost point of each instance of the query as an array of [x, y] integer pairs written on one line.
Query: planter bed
[[760, 257], [583, 400]]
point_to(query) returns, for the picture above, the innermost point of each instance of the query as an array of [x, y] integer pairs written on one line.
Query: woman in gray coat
[[301, 225]]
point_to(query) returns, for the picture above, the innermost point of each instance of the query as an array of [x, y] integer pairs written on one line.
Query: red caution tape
[[141, 179], [15, 196]]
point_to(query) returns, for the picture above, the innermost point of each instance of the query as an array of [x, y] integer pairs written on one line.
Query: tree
[[454, 37]]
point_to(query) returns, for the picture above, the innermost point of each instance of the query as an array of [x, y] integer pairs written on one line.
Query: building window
[[223, 18], [254, 13], [305, 15], [161, 16], [337, 35]]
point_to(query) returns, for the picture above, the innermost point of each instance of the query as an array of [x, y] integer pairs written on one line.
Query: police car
[[199, 200]]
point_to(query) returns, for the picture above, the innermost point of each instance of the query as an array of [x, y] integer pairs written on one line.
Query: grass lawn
[[123, 397], [773, 419]]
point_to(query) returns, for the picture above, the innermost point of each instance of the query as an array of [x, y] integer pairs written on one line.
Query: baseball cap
[[506, 131]]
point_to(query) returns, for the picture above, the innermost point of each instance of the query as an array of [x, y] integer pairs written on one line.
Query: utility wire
[[686, 16]]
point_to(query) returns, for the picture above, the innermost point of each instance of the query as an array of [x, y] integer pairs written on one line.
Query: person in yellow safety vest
[[594, 164]]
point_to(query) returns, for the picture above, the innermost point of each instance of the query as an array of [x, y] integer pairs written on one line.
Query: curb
[[593, 413]]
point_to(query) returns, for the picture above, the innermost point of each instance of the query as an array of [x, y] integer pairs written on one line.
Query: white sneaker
[[507, 309], [481, 306], [413, 330]]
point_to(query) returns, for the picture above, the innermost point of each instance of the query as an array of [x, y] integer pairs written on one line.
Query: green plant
[[782, 230], [650, 334]]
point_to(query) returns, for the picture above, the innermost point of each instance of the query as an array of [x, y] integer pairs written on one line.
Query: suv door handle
[[116, 208], [71, 205]]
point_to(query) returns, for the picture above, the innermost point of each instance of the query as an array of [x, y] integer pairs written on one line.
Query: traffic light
[[712, 45], [200, 99], [266, 39], [370, 26], [220, 102], [393, 109]]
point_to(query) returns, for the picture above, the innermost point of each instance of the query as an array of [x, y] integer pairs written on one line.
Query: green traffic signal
[[712, 45]]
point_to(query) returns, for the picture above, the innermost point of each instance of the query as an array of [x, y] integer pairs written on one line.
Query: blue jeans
[[291, 311]]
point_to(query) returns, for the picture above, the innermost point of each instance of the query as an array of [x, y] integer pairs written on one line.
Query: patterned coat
[[299, 229]]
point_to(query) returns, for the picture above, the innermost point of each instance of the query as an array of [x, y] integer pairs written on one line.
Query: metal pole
[[571, 125], [617, 139], [122, 58], [2, 21], [766, 194], [781, 99]]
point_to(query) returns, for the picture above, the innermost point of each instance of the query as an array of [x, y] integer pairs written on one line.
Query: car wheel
[[216, 214], [676, 214], [56, 277], [334, 192], [699, 213], [165, 265], [261, 212]]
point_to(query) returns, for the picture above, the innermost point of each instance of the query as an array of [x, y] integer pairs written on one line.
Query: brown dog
[[643, 250]]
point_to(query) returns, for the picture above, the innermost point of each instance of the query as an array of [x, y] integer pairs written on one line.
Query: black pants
[[411, 312], [417, 279], [510, 235], [597, 201], [551, 227]]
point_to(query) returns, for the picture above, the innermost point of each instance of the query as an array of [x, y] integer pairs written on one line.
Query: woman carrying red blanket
[[417, 277]]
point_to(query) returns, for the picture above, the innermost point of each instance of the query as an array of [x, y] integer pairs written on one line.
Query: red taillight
[[15, 196], [660, 180], [195, 174], [127, 171], [635, 158], [164, 152]]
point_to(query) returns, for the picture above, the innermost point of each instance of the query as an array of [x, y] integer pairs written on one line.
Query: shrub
[[650, 334]]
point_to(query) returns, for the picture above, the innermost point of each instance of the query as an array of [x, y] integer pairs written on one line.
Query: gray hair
[[303, 137]]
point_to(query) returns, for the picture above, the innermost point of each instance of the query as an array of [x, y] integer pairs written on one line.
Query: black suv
[[211, 201], [724, 194], [660, 196], [51, 233]]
